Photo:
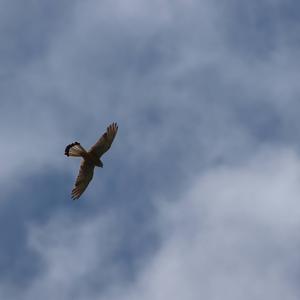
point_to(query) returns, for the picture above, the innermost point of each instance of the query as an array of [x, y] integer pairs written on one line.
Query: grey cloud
[[194, 85], [238, 240], [232, 235]]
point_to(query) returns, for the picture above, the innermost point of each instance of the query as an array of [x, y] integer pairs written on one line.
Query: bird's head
[[100, 164]]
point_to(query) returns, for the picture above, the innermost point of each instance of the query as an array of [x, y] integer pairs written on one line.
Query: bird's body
[[91, 158]]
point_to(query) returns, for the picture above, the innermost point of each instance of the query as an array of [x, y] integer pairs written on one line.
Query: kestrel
[[91, 158]]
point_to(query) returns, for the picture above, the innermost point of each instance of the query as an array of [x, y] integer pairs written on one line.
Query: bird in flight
[[91, 159]]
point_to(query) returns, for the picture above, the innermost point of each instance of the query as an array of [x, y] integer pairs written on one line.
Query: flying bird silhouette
[[91, 159]]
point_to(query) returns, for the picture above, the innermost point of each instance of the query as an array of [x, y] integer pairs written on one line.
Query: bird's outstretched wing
[[104, 143], [84, 177]]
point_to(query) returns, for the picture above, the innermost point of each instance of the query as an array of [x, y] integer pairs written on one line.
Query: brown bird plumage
[[91, 158]]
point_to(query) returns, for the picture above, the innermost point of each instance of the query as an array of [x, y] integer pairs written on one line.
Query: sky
[[199, 194]]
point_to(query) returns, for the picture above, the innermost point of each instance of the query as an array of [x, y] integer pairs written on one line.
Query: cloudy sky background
[[199, 195]]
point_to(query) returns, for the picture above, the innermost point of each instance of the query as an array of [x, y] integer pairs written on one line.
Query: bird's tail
[[75, 149]]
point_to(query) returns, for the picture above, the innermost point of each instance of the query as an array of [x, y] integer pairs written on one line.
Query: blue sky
[[199, 194]]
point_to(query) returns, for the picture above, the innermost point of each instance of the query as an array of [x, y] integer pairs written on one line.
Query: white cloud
[[71, 253], [233, 234], [234, 230], [119, 62]]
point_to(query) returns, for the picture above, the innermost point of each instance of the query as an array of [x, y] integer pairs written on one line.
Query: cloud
[[162, 70], [77, 252], [232, 234], [199, 90]]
